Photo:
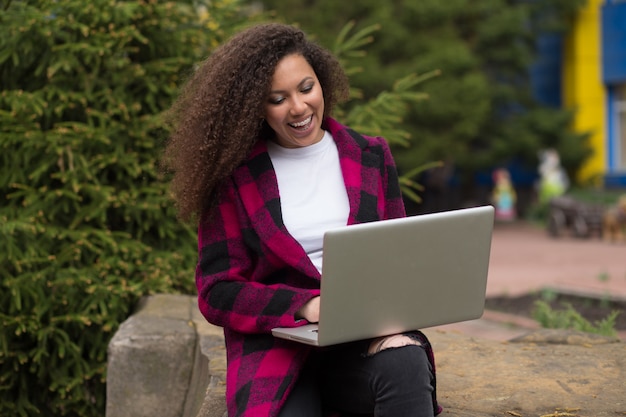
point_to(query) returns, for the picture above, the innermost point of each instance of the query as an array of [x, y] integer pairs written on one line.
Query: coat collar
[[258, 187]]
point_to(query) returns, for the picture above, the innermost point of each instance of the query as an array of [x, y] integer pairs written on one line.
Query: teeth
[[302, 123]]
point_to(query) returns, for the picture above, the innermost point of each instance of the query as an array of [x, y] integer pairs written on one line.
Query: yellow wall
[[583, 89]]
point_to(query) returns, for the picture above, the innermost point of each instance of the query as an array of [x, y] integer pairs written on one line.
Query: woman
[[260, 163]]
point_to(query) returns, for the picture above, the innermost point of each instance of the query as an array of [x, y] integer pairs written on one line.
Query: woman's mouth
[[302, 125]]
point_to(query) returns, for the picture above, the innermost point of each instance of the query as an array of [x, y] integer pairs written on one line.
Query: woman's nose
[[298, 105]]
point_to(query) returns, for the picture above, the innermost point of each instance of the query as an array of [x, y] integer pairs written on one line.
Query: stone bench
[[166, 361]]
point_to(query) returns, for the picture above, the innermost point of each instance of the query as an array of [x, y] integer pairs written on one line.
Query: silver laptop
[[396, 275]]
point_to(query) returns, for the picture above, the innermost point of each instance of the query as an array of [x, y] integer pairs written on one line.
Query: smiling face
[[295, 106]]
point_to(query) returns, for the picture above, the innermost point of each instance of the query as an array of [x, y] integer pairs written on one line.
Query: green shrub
[[86, 224], [569, 318]]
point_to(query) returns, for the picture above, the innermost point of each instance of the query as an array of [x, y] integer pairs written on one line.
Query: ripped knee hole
[[394, 341]]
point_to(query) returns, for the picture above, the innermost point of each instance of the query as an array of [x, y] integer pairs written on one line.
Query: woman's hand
[[310, 311]]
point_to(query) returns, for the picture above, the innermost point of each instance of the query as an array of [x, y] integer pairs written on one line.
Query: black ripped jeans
[[393, 382]]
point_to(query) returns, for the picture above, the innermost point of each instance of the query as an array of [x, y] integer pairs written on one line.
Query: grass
[[569, 318]]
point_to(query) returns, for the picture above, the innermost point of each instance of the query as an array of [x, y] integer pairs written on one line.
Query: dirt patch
[[592, 309]]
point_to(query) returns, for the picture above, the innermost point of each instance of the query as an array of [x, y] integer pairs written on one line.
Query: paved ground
[[524, 258]]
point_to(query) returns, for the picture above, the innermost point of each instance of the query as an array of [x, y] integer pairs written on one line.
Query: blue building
[[586, 71]]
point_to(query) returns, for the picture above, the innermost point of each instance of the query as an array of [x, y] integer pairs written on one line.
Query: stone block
[[152, 360]]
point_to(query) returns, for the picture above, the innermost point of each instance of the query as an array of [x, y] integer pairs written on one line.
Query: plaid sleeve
[[378, 184], [393, 203], [240, 287]]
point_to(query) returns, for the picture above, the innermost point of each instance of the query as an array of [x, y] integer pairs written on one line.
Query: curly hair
[[218, 115]]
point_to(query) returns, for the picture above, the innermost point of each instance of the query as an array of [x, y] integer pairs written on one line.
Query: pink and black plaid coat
[[252, 275]]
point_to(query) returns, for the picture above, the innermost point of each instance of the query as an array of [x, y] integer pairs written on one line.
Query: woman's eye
[[307, 88], [276, 100]]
